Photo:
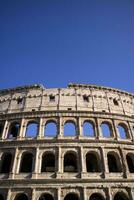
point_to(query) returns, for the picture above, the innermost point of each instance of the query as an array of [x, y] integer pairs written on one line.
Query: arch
[[32, 129], [120, 196], [106, 129], [71, 196], [114, 164], [46, 196], [1, 197], [70, 162], [1, 129], [92, 163], [6, 163], [21, 196], [14, 130], [50, 129], [123, 131], [115, 101], [96, 196], [26, 162], [88, 129], [48, 162], [130, 162], [69, 129]]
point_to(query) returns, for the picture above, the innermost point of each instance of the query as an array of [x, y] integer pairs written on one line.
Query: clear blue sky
[[55, 42]]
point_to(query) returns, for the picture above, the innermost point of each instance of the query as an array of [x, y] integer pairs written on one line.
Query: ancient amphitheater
[[74, 143]]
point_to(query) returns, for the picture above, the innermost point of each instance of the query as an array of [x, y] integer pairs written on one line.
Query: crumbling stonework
[[65, 167]]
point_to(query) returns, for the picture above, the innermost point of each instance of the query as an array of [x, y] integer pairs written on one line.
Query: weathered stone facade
[[103, 166]]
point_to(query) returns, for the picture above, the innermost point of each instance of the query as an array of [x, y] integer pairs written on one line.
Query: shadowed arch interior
[[70, 162], [48, 162], [96, 196], [14, 130], [26, 162], [1, 197], [1, 129], [113, 162], [6, 162], [130, 162], [120, 196], [71, 196], [21, 197], [46, 197], [92, 163]]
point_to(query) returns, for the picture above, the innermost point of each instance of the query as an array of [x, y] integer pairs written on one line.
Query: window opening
[[50, 129], [69, 129], [1, 129], [112, 163], [26, 163], [106, 130], [48, 163], [1, 197], [85, 98], [46, 197], [92, 163], [130, 162], [14, 130], [71, 196], [52, 98], [115, 102], [96, 196], [70, 163], [32, 130], [122, 132], [120, 196], [21, 197], [6, 163], [88, 129]]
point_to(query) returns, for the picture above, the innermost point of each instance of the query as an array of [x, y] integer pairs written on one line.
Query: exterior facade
[[74, 143]]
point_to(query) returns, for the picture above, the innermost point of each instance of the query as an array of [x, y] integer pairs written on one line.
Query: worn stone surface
[[33, 103]]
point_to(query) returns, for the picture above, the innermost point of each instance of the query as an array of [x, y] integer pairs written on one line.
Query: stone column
[[21, 134], [98, 130], [109, 194], [104, 162], [82, 163], [84, 193], [5, 129], [124, 163], [59, 163], [33, 195], [36, 165], [13, 171], [60, 128], [59, 193], [117, 135], [8, 194], [40, 129], [79, 128]]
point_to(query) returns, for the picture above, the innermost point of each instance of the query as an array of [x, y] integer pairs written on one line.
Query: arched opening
[[14, 130], [69, 129], [88, 129], [115, 102], [106, 129], [50, 129], [92, 163], [71, 196], [113, 162], [130, 162], [26, 163], [70, 162], [96, 196], [46, 197], [1, 129], [6, 163], [122, 129], [21, 197], [48, 162], [32, 129], [120, 196], [1, 197]]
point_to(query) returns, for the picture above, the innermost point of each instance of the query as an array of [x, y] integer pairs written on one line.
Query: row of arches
[[70, 196], [70, 162], [70, 129]]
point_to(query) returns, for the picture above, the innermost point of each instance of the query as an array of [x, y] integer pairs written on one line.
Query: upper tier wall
[[36, 97]]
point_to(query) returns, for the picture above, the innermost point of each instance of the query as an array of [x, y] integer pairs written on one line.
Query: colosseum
[[74, 143]]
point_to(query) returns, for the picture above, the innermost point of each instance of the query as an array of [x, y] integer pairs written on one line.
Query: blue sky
[[55, 42]]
